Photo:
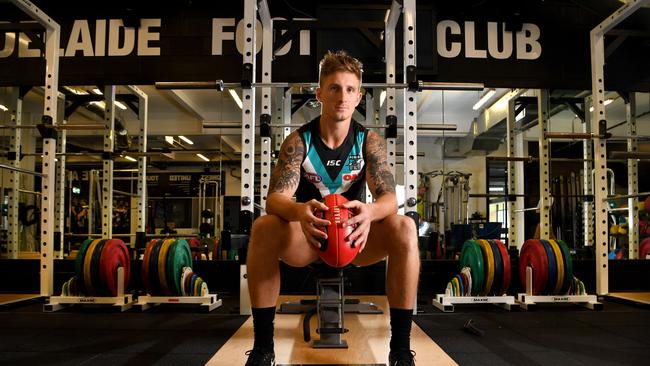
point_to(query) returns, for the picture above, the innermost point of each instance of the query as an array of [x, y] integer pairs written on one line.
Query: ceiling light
[[129, 158], [521, 115], [484, 99], [202, 157], [4, 109], [186, 140], [76, 91], [97, 91], [169, 140], [120, 105], [100, 104], [496, 189], [235, 97]]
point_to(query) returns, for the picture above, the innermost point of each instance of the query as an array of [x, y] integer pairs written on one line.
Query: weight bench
[[330, 306]]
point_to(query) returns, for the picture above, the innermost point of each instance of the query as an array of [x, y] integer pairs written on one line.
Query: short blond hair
[[339, 61]]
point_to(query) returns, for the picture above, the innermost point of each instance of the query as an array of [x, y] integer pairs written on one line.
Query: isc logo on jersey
[[333, 163], [313, 178]]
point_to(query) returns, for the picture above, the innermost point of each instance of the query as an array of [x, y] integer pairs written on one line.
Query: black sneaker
[[401, 358], [257, 357]]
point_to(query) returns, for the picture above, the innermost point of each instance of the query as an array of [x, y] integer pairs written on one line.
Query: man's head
[[340, 85]]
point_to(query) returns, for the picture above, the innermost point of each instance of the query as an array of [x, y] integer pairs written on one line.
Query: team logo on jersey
[[312, 178], [333, 163], [354, 162]]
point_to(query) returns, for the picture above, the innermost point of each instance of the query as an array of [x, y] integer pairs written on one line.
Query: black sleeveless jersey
[[325, 171]]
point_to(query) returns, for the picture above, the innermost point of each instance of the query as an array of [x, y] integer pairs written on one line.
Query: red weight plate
[[534, 255], [507, 275], [195, 247], [145, 265], [114, 255], [216, 251]]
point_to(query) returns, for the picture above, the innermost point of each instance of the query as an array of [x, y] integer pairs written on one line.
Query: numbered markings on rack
[[534, 255]]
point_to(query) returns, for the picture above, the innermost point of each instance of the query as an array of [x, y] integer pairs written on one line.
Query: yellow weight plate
[[488, 259], [162, 265], [88, 283], [560, 266]]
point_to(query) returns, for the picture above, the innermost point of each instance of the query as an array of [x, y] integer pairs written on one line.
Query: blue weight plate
[[154, 280], [552, 268], [497, 283], [460, 285]]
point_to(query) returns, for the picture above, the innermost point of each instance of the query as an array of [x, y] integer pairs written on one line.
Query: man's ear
[[318, 92]]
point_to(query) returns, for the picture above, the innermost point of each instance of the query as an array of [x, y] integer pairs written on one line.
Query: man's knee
[[404, 232], [264, 225]]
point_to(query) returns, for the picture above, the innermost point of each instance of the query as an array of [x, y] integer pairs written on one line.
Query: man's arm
[[379, 177], [285, 178]]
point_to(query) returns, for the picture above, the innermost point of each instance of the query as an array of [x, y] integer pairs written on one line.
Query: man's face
[[339, 95]]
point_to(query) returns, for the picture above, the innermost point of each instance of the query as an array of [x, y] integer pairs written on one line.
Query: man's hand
[[309, 222], [362, 219]]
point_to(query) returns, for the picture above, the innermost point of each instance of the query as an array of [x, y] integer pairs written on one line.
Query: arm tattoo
[[380, 179], [286, 174]]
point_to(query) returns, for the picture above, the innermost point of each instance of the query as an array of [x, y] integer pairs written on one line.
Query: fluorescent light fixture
[[4, 109], [120, 105], [100, 104], [386, 16], [521, 115], [76, 190], [97, 91], [496, 189], [484, 99], [186, 140], [76, 91], [202, 157], [382, 98], [129, 158], [606, 102], [235, 97], [169, 140]]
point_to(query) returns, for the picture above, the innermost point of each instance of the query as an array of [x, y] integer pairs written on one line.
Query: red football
[[337, 251]]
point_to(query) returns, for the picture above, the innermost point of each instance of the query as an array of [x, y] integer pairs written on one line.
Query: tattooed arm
[[382, 185], [283, 185]]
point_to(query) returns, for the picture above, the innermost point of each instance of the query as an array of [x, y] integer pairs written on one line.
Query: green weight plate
[[95, 268], [179, 256], [153, 269], [79, 263], [498, 269], [552, 267], [568, 266], [471, 256]]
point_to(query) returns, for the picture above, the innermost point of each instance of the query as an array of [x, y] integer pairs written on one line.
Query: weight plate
[[64, 289], [72, 287], [216, 250], [195, 246], [552, 268], [79, 263], [190, 289], [568, 266], [162, 266], [178, 257], [453, 287], [204, 289], [507, 269], [644, 248], [488, 260], [188, 283], [465, 282], [146, 282], [114, 256], [559, 260], [197, 286], [498, 269], [187, 271], [471, 256], [533, 255], [448, 291], [87, 274], [153, 268], [468, 274], [95, 269], [461, 287]]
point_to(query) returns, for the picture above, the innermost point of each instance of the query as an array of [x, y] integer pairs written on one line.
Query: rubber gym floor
[[565, 335]]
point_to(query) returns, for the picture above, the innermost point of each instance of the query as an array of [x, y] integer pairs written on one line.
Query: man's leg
[[396, 237], [272, 238]]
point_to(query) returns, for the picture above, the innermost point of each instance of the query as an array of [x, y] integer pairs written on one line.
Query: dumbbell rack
[[207, 302], [122, 301], [446, 303], [527, 301]]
